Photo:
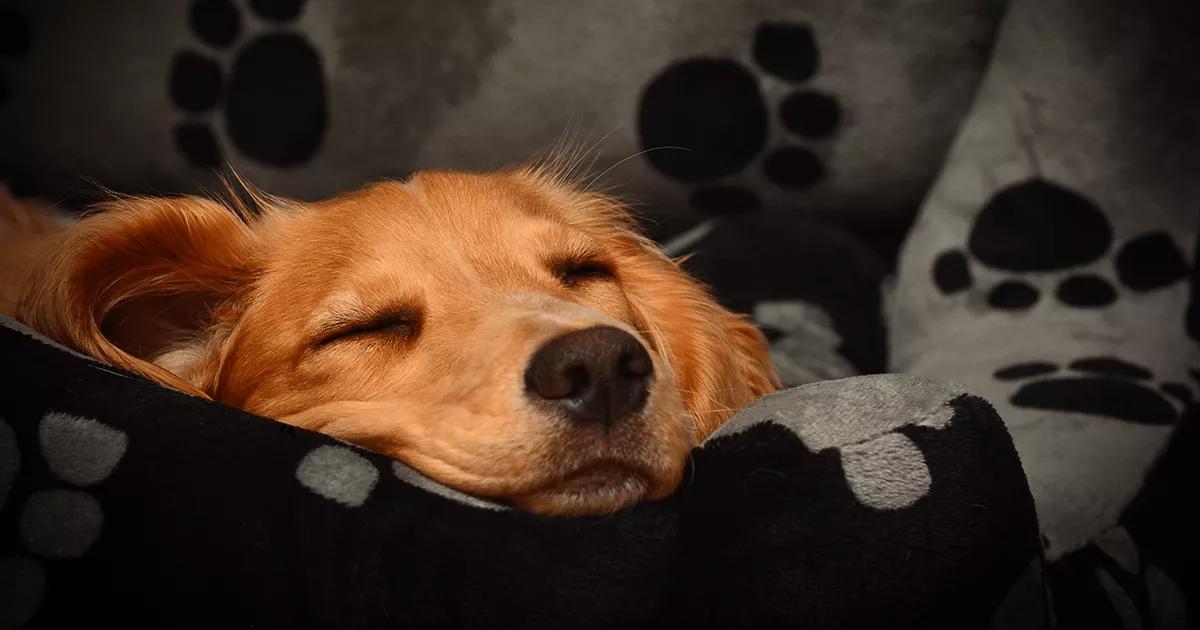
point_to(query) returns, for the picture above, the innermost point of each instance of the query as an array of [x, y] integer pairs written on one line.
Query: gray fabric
[[410, 476], [338, 474], [859, 417], [886, 473], [1089, 96], [80, 451], [807, 350], [60, 523], [851, 410], [435, 84]]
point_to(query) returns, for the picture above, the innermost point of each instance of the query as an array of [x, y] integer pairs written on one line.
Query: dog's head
[[505, 334]]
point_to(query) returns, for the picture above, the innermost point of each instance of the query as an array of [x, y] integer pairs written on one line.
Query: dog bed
[[876, 501]]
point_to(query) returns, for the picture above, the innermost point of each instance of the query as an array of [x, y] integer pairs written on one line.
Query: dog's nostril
[[553, 380], [599, 374], [577, 380], [634, 364]]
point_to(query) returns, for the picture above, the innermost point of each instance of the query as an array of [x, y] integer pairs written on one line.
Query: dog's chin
[[598, 489]]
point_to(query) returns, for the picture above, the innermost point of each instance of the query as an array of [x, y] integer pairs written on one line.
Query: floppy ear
[[751, 356], [143, 284], [719, 359]]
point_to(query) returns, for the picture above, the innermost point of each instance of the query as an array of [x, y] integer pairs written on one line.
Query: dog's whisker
[[595, 151], [562, 140], [624, 160], [573, 170]]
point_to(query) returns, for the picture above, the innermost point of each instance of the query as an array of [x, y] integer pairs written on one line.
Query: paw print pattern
[[270, 90], [14, 44], [56, 523], [338, 474], [1127, 591], [803, 342], [1103, 386], [888, 472], [345, 477], [883, 464], [704, 120], [1038, 227]]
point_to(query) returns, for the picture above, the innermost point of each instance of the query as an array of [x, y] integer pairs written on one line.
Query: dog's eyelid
[[576, 271], [403, 321], [580, 262]]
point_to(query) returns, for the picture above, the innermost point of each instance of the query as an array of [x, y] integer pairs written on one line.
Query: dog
[[509, 334]]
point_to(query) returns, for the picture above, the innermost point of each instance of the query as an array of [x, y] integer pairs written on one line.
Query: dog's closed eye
[[579, 272], [580, 267], [397, 324]]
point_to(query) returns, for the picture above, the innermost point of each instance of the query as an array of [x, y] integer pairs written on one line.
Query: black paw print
[[704, 120], [14, 43], [59, 521], [272, 94], [1037, 226], [1104, 386]]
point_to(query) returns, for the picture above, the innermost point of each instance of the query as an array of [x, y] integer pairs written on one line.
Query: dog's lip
[[599, 475], [600, 486]]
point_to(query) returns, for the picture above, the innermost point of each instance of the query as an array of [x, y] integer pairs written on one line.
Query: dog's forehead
[[435, 222], [444, 209], [437, 197]]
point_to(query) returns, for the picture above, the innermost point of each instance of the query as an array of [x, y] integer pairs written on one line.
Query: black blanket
[[883, 501]]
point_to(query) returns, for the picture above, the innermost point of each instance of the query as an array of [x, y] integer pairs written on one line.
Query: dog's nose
[[600, 374]]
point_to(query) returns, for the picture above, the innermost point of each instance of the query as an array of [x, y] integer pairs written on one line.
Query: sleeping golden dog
[[506, 334]]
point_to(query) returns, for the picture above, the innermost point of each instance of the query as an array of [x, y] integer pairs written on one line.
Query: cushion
[[868, 502], [1053, 270]]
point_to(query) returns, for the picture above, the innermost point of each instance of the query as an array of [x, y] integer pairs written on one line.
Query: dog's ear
[[751, 356], [144, 284], [719, 360]]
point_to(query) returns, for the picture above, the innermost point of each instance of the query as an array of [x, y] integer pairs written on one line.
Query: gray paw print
[[804, 343], [54, 523], [343, 476], [338, 474], [884, 468]]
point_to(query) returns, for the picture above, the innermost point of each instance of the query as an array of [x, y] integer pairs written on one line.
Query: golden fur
[[400, 317]]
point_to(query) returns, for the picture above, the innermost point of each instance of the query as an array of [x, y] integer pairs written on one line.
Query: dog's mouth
[[601, 487]]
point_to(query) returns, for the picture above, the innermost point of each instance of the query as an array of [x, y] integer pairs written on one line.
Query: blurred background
[[764, 136], [831, 109], [826, 119]]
